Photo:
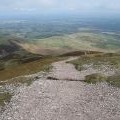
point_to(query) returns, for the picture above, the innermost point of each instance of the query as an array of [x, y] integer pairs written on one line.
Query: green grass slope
[[74, 42]]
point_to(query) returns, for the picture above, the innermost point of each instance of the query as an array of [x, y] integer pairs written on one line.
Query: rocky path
[[63, 71], [63, 99]]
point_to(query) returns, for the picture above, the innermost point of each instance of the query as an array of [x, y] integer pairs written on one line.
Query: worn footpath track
[[63, 99]]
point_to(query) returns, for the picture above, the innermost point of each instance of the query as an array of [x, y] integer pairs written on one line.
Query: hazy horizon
[[56, 7]]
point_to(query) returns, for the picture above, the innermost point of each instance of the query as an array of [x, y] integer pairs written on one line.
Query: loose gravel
[[60, 99]]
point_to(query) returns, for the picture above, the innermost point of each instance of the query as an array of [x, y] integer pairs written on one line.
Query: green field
[[77, 41]]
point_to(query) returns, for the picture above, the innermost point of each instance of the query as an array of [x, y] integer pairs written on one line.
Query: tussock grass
[[97, 60], [94, 78], [4, 98], [114, 80], [111, 59]]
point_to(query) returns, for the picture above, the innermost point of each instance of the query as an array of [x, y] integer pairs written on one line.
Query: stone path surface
[[63, 71], [63, 99]]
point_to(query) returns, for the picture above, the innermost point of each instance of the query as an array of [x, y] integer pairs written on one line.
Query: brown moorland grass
[[28, 68]]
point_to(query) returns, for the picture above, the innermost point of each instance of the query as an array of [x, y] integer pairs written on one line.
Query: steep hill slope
[[11, 54]]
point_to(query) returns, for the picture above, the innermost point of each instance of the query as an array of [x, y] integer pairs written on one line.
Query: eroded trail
[[64, 100], [65, 71]]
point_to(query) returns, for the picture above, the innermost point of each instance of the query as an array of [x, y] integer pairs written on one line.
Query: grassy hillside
[[28, 68], [77, 41], [84, 40], [16, 51]]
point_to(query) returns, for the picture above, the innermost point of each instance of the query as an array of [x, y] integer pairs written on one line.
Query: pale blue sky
[[59, 6]]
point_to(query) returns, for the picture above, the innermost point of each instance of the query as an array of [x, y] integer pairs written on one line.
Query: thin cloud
[[60, 5]]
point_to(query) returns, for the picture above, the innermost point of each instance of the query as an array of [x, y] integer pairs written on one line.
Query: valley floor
[[62, 95]]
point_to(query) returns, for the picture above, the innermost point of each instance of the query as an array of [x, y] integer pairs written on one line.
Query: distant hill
[[57, 45], [15, 51], [11, 54]]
